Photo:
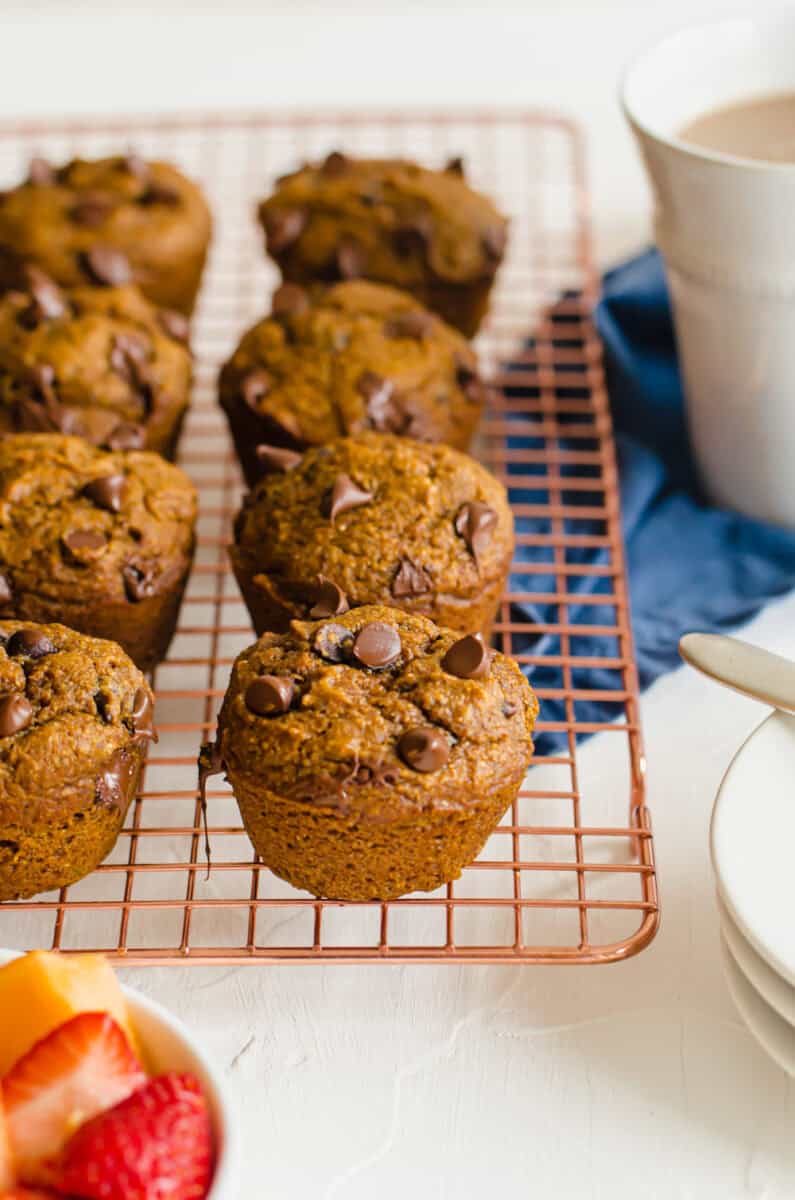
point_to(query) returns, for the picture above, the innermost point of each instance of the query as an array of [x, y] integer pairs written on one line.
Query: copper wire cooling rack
[[569, 875]]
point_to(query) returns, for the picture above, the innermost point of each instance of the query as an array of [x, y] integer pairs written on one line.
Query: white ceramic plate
[[771, 987], [753, 842], [168, 1046], [772, 1032]]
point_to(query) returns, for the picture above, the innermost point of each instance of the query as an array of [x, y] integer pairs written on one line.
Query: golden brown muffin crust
[[99, 362], [420, 526], [357, 356], [340, 743], [70, 220], [86, 526]]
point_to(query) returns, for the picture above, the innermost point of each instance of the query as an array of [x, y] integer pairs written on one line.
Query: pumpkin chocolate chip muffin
[[389, 220], [75, 721], [375, 519], [100, 541], [372, 754], [102, 363], [109, 221], [357, 356]]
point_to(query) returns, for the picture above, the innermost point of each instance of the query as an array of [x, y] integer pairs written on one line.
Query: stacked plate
[[753, 854]]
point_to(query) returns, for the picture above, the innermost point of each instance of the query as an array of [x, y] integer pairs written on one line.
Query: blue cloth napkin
[[691, 567]]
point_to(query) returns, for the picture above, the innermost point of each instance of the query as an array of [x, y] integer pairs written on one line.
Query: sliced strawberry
[[23, 1193], [7, 1173], [156, 1145], [77, 1071]]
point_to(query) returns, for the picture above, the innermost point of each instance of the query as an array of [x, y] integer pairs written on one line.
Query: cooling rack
[[568, 877]]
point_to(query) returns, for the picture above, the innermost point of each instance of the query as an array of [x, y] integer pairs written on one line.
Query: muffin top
[[85, 525], [75, 219], [69, 704], [377, 713], [101, 362], [354, 357], [384, 219], [384, 518]]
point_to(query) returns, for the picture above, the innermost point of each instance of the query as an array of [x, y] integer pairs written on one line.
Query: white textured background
[[354, 1082]]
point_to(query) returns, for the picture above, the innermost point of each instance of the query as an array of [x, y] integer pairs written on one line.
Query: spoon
[[744, 668]]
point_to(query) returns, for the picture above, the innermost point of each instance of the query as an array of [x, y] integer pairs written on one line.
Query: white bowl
[[773, 1033], [771, 987], [168, 1046], [752, 841]]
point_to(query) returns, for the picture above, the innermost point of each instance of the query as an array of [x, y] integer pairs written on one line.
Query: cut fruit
[[156, 1145], [77, 1071], [7, 1174], [42, 990]]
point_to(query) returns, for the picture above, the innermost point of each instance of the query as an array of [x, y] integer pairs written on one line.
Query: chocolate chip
[[275, 460], [174, 325], [415, 324], [254, 386], [335, 163], [455, 166], [6, 591], [350, 258], [344, 495], [106, 266], [269, 695], [91, 210], [476, 522], [468, 658], [40, 172], [83, 544], [128, 352], [283, 226], [378, 775], [103, 711], [467, 379], [126, 436], [377, 645], [29, 643], [160, 193], [107, 492], [330, 600], [133, 164], [410, 580], [38, 409], [509, 709], [142, 714], [412, 236], [289, 300], [113, 784], [424, 748], [493, 242], [47, 300], [383, 409], [333, 642], [16, 713], [139, 582]]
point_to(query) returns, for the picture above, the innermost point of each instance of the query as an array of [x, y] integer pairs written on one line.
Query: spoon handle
[[743, 667]]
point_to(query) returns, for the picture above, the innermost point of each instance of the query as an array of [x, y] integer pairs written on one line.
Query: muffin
[[108, 221], [375, 519], [390, 220], [373, 754], [102, 363], [100, 541], [357, 356], [75, 722]]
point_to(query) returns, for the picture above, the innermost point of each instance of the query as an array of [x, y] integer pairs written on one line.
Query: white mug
[[726, 230]]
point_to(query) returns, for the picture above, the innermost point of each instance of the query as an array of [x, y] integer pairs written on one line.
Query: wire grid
[[568, 877]]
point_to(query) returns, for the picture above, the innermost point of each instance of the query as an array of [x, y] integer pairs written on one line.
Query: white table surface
[[447, 1082]]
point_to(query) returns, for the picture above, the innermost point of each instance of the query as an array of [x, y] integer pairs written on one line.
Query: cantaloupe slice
[[41, 990]]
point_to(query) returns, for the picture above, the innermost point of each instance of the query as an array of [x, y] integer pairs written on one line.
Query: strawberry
[[156, 1145], [77, 1071], [6, 1159], [23, 1193]]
